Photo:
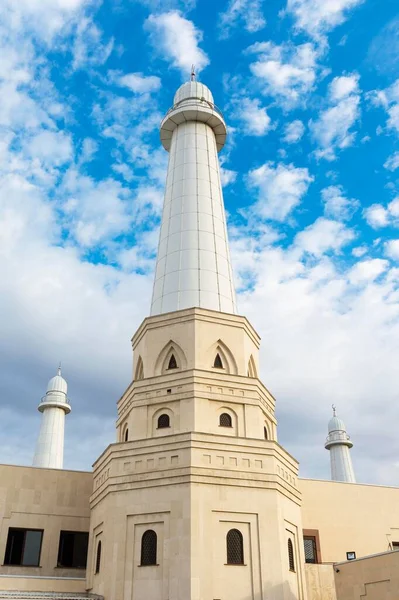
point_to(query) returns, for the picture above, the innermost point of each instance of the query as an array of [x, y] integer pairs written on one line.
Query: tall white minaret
[[338, 443], [54, 406], [193, 266]]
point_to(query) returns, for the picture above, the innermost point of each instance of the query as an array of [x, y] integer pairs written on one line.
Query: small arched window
[[126, 434], [291, 561], [98, 557], [218, 362], [163, 421], [172, 362], [265, 433], [235, 547], [225, 420], [148, 548]]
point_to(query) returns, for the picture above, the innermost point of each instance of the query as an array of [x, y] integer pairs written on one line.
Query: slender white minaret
[[193, 266], [54, 406], [338, 443]]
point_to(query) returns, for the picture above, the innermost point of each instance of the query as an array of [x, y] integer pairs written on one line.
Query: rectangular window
[[23, 547], [395, 545], [309, 542], [72, 551]]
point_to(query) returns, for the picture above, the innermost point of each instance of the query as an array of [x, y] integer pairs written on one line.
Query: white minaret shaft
[[193, 265], [338, 443], [54, 406]]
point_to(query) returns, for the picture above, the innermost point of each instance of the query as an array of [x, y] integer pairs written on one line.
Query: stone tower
[[196, 500], [54, 405], [338, 443]]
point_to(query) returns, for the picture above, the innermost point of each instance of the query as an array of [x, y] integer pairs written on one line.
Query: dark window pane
[[14, 548], [309, 543], [98, 557], [126, 435], [149, 548], [235, 547], [172, 362], [33, 543], [225, 420], [291, 556], [163, 421], [218, 362], [72, 551]]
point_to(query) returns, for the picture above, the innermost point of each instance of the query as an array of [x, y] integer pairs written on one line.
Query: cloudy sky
[[310, 92]]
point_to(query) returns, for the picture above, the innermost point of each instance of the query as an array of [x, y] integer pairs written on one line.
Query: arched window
[[218, 362], [163, 421], [126, 434], [235, 547], [172, 362], [139, 369], [265, 433], [148, 548], [98, 557], [291, 561], [225, 420]]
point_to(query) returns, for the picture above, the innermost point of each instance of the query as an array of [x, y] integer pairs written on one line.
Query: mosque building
[[196, 499]]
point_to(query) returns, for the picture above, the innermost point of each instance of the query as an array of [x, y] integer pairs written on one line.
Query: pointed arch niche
[[170, 359], [251, 371], [222, 359], [139, 373]]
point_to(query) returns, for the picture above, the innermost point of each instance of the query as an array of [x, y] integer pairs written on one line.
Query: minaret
[[338, 443], [193, 265], [54, 406]]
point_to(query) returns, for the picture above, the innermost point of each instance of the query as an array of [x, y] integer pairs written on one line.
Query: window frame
[[59, 564], [21, 564], [226, 414], [314, 533], [149, 564], [160, 417], [240, 537], [291, 555]]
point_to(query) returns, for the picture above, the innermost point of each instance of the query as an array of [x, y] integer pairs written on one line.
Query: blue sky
[[310, 93]]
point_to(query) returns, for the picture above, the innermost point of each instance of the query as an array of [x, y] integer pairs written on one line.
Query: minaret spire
[[54, 406], [338, 443], [193, 265]]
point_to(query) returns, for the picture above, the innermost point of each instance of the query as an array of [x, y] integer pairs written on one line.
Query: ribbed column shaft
[[50, 444], [341, 464], [193, 266]]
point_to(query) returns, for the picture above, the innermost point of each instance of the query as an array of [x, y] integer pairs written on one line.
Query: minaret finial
[[59, 369], [193, 75], [334, 410]]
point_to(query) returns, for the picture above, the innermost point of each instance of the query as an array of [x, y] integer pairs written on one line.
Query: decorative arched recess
[[223, 430], [125, 428], [164, 357], [139, 374], [252, 367], [158, 431], [226, 357]]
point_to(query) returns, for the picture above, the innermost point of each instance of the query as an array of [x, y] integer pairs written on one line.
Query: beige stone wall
[[370, 578], [48, 499], [320, 582]]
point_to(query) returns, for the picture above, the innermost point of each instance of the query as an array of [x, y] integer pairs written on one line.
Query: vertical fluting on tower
[[54, 406], [339, 443], [193, 265]]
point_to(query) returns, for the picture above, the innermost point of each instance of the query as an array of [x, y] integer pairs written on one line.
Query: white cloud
[[280, 189], [52, 148], [322, 236], [88, 48], [336, 204], [367, 270], [285, 72], [378, 216], [178, 40], [253, 116], [248, 12], [389, 100], [139, 83], [392, 249], [318, 17], [227, 176], [332, 129], [359, 251], [392, 163], [293, 131]]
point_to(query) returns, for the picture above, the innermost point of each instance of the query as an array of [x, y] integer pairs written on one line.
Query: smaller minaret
[[54, 406], [338, 443]]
